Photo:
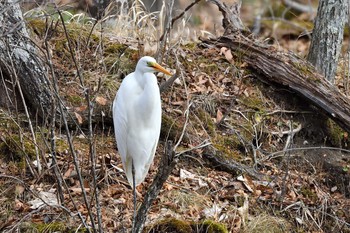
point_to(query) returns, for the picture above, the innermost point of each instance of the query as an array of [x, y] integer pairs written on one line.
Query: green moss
[[306, 71], [61, 145], [50, 227], [337, 136], [76, 100], [254, 103], [170, 129], [14, 147], [228, 145], [296, 27], [38, 26], [309, 193], [211, 226], [190, 46], [171, 225], [278, 9], [207, 121], [120, 59], [202, 63], [28, 227], [114, 48]]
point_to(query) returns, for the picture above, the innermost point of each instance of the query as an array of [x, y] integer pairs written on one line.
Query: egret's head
[[149, 65]]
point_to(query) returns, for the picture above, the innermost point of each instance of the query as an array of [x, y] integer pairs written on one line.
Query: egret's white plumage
[[137, 118]]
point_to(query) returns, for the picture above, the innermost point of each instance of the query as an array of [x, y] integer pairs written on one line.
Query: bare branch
[[166, 166]]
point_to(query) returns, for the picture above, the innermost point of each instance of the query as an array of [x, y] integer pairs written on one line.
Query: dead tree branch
[[219, 163], [284, 70], [166, 166]]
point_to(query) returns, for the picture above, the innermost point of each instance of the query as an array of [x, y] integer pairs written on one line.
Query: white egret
[[137, 119]]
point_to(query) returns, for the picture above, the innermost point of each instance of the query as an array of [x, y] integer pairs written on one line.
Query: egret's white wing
[[145, 126], [120, 121]]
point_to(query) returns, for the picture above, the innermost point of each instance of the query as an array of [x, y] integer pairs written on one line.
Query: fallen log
[[282, 69]]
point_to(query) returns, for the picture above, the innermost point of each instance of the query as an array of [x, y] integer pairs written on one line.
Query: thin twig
[[299, 7], [92, 148], [179, 16], [166, 33], [166, 166], [288, 145], [92, 151], [165, 85], [203, 144], [53, 120], [187, 111], [69, 137], [277, 154], [60, 105], [220, 163]]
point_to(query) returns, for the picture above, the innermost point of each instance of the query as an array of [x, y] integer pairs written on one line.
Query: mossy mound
[[172, 225], [337, 136], [51, 227], [13, 147]]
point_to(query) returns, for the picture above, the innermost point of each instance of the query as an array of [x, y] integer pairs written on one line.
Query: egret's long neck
[[150, 96]]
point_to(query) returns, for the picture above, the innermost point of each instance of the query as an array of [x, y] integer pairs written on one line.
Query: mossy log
[[283, 70]]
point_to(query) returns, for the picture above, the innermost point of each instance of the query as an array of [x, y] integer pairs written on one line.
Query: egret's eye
[[149, 64]]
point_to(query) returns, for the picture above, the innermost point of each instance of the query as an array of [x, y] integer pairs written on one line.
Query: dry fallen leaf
[[247, 182], [101, 101], [219, 116], [227, 53], [81, 108], [184, 174], [68, 173], [213, 211], [18, 205], [79, 118], [44, 198]]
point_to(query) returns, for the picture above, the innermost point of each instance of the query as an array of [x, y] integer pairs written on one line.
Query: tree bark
[[327, 36], [19, 62]]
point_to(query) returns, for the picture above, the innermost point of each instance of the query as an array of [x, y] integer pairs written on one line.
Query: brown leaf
[[227, 53], [218, 116], [18, 205], [68, 173], [81, 108], [101, 101], [79, 118], [247, 182]]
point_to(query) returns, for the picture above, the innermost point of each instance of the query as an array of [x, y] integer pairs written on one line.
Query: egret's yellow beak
[[160, 68]]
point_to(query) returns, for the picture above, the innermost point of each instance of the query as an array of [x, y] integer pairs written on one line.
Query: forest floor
[[300, 159]]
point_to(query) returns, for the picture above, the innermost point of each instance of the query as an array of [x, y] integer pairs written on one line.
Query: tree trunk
[[19, 63], [327, 36]]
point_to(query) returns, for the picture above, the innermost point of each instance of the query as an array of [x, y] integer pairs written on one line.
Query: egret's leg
[[134, 193]]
